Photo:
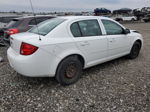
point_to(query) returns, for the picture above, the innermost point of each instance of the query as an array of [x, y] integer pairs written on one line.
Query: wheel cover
[[135, 50], [71, 70]]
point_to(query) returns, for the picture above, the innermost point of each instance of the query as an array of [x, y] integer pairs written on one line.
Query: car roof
[[9, 16], [26, 17], [78, 18], [84, 17]]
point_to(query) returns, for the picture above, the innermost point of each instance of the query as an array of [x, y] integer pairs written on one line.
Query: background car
[[22, 24], [4, 20], [147, 18], [62, 47], [124, 18], [123, 11], [101, 11]]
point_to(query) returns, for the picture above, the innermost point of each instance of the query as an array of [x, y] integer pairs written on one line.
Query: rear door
[[89, 40], [118, 42]]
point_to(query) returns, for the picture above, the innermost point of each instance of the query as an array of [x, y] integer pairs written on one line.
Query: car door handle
[[84, 43]]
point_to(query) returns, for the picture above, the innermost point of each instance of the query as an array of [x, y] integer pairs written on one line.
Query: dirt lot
[[121, 85]]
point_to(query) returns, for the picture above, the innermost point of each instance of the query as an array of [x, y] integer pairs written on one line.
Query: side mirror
[[126, 31]]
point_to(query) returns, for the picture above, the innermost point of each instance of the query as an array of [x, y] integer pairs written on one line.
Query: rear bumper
[[36, 65]]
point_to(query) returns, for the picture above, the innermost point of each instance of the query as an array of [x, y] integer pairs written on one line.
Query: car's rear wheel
[[1, 42], [69, 71], [135, 50]]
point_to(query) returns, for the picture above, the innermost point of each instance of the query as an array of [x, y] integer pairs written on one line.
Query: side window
[[75, 30], [90, 28], [112, 28]]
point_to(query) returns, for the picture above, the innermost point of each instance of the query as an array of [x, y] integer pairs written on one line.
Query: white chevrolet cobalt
[[62, 47]]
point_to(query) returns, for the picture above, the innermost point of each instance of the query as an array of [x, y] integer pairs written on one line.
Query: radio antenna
[[35, 19]]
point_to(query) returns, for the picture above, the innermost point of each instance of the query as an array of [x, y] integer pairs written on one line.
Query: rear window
[[14, 23], [76, 30], [47, 26]]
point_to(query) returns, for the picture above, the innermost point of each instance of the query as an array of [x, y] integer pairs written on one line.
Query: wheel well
[[81, 59], [139, 41]]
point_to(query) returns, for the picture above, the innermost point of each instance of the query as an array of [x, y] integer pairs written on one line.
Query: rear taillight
[[12, 31], [27, 49]]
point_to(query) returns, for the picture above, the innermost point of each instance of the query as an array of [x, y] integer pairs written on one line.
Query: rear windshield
[[14, 23], [47, 26]]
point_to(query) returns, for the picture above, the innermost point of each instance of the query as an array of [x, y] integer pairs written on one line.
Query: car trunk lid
[[16, 40]]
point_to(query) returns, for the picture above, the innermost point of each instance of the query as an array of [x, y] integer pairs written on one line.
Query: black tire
[[132, 19], [134, 53], [145, 21], [69, 71], [121, 20], [2, 44]]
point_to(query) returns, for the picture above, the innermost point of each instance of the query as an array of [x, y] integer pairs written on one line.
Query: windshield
[[47, 26]]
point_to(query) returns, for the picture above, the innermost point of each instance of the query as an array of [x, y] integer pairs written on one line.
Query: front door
[[118, 41]]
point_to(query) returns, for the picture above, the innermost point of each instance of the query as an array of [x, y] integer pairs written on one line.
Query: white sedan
[[62, 47]]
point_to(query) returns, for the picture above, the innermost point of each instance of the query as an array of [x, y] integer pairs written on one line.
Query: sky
[[70, 5]]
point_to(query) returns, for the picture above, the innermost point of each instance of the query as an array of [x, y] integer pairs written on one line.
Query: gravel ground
[[121, 85]]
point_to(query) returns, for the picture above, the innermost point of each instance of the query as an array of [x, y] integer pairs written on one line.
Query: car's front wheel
[[69, 71], [135, 50], [132, 19]]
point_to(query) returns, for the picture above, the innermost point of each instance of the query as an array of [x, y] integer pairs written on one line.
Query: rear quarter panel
[[60, 48]]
